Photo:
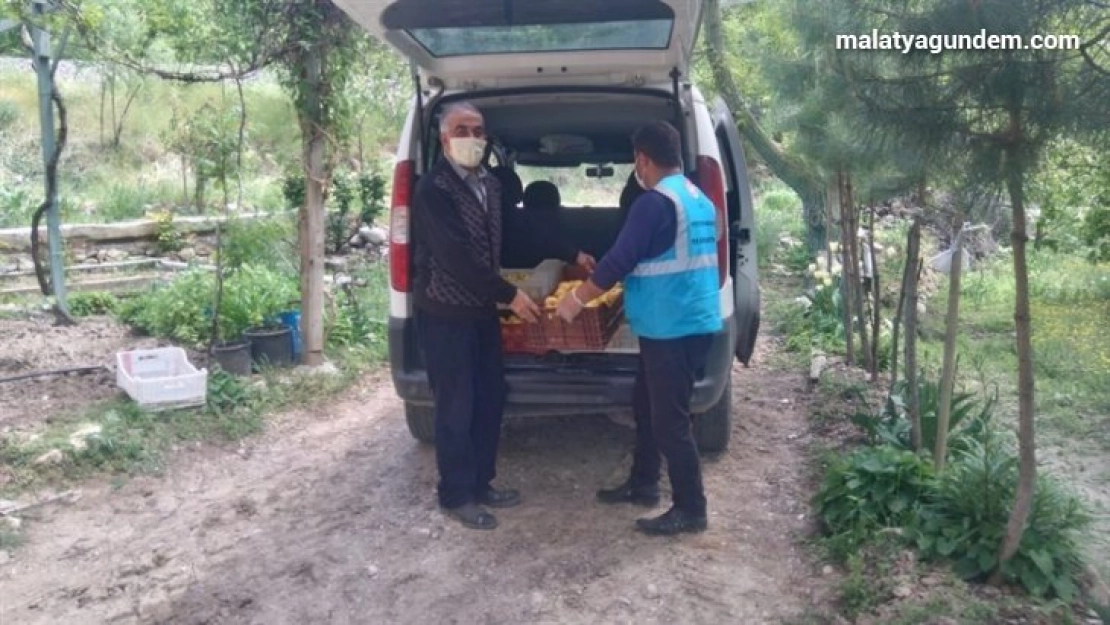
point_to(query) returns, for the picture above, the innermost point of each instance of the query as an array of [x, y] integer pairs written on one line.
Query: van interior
[[572, 154]]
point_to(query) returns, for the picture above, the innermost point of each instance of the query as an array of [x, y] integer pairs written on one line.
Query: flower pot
[[233, 357], [271, 345], [292, 318]]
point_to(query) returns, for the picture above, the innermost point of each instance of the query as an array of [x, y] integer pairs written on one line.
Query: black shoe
[[499, 498], [624, 493], [473, 516], [673, 521]]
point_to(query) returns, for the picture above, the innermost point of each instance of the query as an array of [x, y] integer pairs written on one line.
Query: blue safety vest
[[676, 293]]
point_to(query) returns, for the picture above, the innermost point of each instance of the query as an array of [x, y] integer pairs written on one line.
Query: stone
[[372, 570], [11, 522], [903, 591], [187, 254], [355, 241], [4, 557], [54, 456], [537, 598], [930, 580], [114, 255], [827, 570], [376, 236], [79, 440], [652, 591]]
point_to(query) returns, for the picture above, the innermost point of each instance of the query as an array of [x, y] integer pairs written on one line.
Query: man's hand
[[524, 307], [569, 307], [585, 261]]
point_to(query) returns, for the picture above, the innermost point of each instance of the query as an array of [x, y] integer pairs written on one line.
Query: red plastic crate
[[591, 329]]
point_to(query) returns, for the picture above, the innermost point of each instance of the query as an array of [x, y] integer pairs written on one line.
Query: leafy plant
[[870, 489], [167, 237], [181, 310], [292, 189], [86, 303], [969, 417], [269, 242], [965, 515], [371, 193], [339, 221]]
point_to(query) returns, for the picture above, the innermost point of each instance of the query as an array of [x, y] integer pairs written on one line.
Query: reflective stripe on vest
[[682, 261]]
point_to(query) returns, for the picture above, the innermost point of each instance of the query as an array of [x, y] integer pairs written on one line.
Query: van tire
[[421, 421], [713, 427]]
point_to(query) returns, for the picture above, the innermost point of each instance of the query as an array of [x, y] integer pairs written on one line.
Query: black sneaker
[[673, 521], [625, 493]]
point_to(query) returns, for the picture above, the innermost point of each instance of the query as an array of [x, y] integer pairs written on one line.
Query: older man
[[456, 222]]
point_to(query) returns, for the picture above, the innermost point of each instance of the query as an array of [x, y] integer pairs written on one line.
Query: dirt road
[[330, 517]]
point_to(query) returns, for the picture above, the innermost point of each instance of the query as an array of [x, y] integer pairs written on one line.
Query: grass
[[103, 183], [1070, 306]]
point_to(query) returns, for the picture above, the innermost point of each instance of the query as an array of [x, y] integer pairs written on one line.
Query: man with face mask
[[666, 254], [456, 223]]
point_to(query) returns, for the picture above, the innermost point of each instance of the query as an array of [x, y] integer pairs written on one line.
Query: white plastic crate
[[161, 378]]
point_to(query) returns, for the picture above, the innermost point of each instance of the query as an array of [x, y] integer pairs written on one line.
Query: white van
[[562, 85]]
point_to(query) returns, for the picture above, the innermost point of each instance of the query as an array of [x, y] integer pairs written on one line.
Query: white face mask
[[467, 151]]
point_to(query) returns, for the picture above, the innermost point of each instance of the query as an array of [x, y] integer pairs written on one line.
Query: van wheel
[[713, 427], [421, 421]]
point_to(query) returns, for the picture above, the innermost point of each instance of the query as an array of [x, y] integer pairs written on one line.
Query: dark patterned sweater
[[458, 246]]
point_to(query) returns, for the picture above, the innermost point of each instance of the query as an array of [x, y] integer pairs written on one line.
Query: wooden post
[[312, 215], [912, 278], [948, 375], [845, 272]]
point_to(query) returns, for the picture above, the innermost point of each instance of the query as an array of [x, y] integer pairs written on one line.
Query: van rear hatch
[[468, 44]]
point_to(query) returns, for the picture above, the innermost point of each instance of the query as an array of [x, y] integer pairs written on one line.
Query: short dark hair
[[660, 142]]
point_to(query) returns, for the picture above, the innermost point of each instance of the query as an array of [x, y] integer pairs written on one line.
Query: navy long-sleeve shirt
[[649, 231]]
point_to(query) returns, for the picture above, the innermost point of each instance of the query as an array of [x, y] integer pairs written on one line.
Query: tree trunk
[[313, 213], [859, 317], [948, 374], [790, 169], [1023, 500], [876, 294], [846, 285]]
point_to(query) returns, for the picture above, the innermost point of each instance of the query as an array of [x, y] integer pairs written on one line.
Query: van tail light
[[712, 182], [400, 252]]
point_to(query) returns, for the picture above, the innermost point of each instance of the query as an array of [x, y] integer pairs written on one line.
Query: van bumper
[[556, 391]]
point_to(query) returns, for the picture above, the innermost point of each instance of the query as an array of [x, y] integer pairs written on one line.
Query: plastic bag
[[943, 262]]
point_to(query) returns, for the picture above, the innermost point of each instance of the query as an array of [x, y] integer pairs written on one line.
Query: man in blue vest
[[666, 254]]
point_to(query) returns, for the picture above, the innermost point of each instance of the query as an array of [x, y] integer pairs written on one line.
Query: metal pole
[[41, 41]]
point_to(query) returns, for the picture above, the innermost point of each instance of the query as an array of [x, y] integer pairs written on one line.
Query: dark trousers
[[661, 404], [466, 373]]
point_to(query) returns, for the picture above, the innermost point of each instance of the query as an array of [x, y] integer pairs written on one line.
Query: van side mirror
[[601, 171]]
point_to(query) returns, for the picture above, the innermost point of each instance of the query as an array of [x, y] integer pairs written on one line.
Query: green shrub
[[815, 322], [968, 420], [870, 489], [86, 303], [182, 309], [968, 507], [266, 242]]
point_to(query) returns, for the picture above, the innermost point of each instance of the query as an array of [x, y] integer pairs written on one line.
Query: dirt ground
[[330, 517], [33, 344]]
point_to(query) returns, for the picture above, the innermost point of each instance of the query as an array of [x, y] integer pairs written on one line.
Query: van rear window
[[652, 34]]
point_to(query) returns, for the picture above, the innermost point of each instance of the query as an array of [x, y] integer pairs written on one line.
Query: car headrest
[[542, 195]]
